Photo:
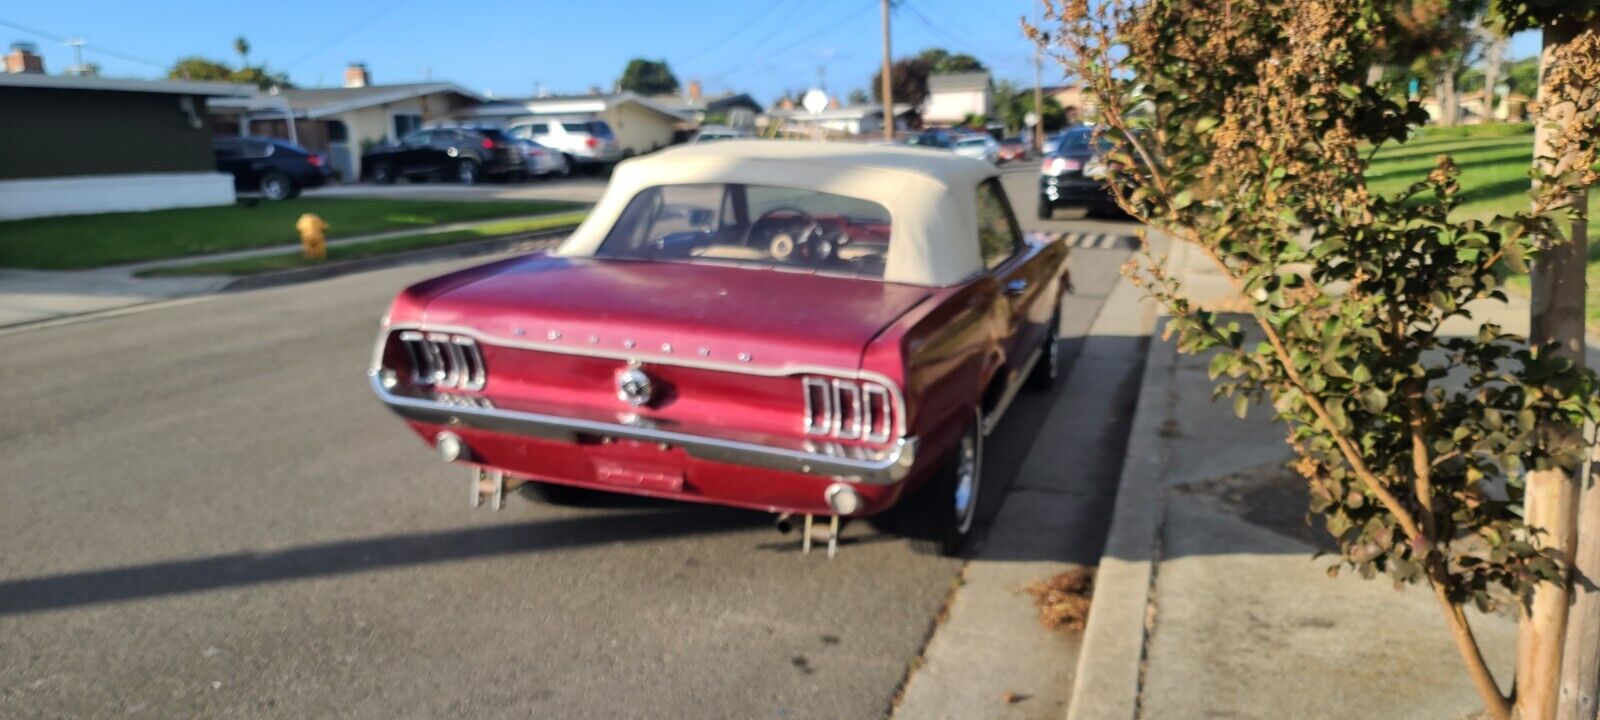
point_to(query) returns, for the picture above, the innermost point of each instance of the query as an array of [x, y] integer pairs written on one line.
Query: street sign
[[1031, 119], [814, 101]]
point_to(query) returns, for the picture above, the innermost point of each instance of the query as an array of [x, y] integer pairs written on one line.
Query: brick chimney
[[694, 89], [356, 75], [24, 58]]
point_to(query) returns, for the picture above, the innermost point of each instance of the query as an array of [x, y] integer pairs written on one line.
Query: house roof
[[554, 105], [947, 82], [82, 82], [930, 194], [706, 102], [322, 102]]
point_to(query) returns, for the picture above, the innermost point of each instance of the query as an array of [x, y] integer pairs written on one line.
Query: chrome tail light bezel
[[444, 360], [846, 409]]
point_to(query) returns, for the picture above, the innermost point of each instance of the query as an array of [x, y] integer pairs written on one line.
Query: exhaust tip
[[450, 446], [842, 499]]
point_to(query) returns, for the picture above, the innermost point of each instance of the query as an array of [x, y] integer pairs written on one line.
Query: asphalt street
[[205, 513]]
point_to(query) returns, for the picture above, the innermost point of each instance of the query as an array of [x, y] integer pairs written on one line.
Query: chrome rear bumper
[[882, 468]]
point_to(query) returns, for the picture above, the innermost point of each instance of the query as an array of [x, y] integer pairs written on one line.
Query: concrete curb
[[1109, 665], [526, 241]]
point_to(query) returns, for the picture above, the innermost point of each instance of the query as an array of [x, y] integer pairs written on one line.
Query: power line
[[807, 38], [765, 11], [959, 43], [87, 47], [341, 37]]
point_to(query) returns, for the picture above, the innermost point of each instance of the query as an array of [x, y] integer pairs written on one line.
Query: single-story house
[[735, 110], [1077, 103], [954, 96], [81, 144], [342, 122], [853, 120], [640, 124]]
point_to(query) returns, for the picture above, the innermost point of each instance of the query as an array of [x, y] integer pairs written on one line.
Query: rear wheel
[[276, 186], [941, 515], [1048, 368], [382, 173], [467, 172]]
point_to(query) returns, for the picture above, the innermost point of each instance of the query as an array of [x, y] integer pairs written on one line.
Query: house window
[[406, 123]]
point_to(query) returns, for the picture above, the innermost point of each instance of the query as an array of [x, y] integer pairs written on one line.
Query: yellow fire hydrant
[[313, 236]]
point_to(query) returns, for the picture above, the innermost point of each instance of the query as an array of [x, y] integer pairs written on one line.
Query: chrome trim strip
[[815, 424], [870, 391], [840, 390], [891, 468], [993, 418], [743, 367]]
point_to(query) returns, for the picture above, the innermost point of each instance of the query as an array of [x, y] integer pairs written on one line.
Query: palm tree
[[242, 46]]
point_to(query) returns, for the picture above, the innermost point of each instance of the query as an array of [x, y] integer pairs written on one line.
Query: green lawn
[[1494, 161], [266, 263], [86, 241]]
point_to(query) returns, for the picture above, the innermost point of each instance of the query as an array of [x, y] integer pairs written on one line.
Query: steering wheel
[[806, 244]]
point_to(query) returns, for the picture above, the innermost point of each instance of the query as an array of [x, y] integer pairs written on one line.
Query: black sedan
[[1073, 175], [277, 169], [465, 155]]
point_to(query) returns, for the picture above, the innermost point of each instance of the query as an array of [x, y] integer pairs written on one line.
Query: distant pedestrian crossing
[[1100, 241]]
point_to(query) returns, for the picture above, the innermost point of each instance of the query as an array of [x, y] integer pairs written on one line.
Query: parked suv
[[277, 169], [1073, 175], [585, 143], [466, 155]]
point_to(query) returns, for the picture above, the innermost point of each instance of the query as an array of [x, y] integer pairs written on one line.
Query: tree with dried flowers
[[1245, 128]]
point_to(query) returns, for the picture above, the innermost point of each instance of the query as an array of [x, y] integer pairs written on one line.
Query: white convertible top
[[931, 195]]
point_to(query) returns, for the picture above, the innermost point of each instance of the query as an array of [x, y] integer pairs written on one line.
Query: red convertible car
[[806, 328]]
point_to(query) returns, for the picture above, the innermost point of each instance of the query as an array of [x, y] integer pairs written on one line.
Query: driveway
[[206, 514]]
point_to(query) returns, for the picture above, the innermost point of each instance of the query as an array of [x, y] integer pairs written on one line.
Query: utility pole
[[1038, 94], [1550, 653], [888, 87]]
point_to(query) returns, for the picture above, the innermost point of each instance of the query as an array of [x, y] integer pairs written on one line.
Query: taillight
[[445, 361], [592, 142], [848, 409], [314, 159], [488, 144], [1057, 165]]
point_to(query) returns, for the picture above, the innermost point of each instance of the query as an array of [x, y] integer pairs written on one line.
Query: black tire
[[1048, 368], [381, 173], [1046, 210], [467, 172], [276, 186], [556, 493], [939, 518]]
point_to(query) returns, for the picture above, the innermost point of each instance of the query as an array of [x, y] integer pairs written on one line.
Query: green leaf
[[1241, 405]]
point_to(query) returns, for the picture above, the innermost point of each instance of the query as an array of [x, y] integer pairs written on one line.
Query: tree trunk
[[1580, 662], [1552, 495], [1493, 54], [1449, 100]]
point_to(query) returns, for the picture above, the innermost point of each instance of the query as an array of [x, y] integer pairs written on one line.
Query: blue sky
[[511, 49]]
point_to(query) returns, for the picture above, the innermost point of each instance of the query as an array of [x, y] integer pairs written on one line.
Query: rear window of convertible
[[755, 225]]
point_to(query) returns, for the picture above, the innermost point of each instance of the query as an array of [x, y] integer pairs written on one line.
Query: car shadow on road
[[175, 577]]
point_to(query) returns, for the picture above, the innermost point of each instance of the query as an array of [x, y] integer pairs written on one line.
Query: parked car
[[1052, 141], [794, 327], [465, 155], [713, 133], [1074, 175], [586, 143], [978, 146], [540, 161], [1013, 149], [277, 169], [937, 138]]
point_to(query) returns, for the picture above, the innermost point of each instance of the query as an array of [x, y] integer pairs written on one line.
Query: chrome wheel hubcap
[[966, 495]]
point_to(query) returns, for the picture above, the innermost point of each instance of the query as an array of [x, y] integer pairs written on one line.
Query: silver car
[[981, 147], [541, 161]]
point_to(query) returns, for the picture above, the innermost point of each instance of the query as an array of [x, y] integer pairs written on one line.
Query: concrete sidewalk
[[1209, 602], [30, 296]]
